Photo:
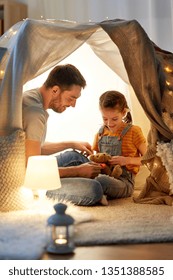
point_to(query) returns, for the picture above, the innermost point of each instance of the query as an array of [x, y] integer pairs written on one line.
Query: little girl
[[118, 137], [122, 140]]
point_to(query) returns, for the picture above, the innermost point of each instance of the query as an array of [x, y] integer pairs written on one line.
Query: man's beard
[[59, 110]]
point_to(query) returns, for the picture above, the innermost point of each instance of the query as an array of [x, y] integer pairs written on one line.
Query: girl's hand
[[119, 160]]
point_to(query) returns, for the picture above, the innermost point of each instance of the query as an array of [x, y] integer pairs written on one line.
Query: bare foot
[[104, 201]]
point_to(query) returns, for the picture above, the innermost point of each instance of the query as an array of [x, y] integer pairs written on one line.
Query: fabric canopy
[[31, 47]]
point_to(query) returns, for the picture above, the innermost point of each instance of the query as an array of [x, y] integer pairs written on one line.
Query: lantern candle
[[61, 240]]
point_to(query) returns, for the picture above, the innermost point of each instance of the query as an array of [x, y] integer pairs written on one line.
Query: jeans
[[85, 191]]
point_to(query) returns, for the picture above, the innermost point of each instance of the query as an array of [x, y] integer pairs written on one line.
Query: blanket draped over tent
[[31, 47]]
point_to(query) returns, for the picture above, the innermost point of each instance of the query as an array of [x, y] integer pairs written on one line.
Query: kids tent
[[31, 47]]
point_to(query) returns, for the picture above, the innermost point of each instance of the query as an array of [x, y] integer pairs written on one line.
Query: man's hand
[[89, 170], [84, 147]]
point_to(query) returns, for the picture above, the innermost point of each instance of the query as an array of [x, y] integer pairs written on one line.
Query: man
[[61, 90]]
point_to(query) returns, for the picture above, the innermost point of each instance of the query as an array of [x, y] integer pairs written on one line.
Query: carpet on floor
[[124, 221], [23, 234]]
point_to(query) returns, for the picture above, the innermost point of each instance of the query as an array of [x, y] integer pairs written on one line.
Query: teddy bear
[[111, 170]]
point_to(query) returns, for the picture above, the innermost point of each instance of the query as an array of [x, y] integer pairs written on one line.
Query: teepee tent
[[32, 47]]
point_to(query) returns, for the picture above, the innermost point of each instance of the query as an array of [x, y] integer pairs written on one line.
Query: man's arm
[[32, 148], [85, 170], [49, 148]]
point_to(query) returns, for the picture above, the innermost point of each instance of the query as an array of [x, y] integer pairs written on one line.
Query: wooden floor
[[154, 251]]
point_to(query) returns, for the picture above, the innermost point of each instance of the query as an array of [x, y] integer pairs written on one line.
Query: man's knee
[[70, 158]]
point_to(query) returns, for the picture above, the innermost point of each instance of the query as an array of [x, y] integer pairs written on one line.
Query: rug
[[23, 233], [124, 221]]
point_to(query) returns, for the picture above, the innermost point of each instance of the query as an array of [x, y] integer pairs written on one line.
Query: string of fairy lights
[[7, 41]]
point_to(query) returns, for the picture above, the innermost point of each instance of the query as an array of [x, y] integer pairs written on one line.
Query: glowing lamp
[[167, 69], [61, 231], [42, 174], [1, 74]]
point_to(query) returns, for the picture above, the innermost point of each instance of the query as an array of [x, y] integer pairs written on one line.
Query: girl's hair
[[115, 100]]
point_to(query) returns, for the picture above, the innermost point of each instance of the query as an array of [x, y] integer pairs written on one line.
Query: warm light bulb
[[170, 92], [2, 74], [167, 69]]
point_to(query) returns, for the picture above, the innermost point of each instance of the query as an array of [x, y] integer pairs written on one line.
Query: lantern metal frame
[[61, 226]]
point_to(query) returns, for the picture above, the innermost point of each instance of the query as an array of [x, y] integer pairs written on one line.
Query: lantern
[[61, 231]]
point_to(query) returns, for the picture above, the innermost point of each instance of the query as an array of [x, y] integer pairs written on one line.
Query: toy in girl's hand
[[108, 169]]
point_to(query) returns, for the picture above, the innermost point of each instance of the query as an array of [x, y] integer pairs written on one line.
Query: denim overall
[[113, 146], [86, 191]]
